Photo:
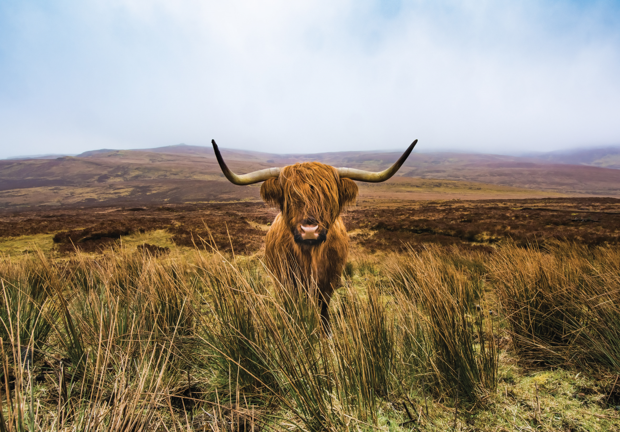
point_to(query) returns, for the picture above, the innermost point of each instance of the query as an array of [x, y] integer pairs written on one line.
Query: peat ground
[[373, 226]]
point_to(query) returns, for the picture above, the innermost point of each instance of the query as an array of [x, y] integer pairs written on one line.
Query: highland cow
[[307, 242]]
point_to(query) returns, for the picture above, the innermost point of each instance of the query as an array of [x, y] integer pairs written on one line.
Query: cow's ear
[[271, 192], [348, 191]]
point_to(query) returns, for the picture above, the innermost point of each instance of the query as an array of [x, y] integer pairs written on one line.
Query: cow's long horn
[[375, 177], [244, 179]]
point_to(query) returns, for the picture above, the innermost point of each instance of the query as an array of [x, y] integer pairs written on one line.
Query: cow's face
[[311, 196]]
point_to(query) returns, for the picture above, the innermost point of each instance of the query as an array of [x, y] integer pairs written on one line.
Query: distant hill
[[183, 173], [43, 156], [604, 157]]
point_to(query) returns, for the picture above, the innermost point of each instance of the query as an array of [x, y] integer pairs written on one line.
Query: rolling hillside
[[177, 174]]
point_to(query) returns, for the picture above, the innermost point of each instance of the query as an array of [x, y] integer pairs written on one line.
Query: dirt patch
[[92, 239], [154, 250]]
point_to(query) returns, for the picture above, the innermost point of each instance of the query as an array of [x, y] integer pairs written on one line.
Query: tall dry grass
[[107, 355], [449, 338], [201, 341], [562, 302]]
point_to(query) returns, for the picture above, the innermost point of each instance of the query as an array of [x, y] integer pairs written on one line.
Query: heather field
[[453, 315]]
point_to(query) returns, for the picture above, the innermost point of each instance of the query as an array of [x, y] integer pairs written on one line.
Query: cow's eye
[[312, 188]]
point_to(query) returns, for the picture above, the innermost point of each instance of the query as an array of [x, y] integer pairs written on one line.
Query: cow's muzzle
[[309, 233]]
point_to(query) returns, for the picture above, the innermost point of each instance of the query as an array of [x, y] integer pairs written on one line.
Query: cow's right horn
[[244, 179], [375, 177]]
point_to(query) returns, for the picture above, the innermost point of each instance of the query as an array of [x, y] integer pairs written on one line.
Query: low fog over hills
[[605, 157]]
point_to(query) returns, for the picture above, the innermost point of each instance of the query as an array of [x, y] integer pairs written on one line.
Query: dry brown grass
[[196, 340]]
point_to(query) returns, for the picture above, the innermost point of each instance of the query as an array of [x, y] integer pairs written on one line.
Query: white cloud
[[310, 76]]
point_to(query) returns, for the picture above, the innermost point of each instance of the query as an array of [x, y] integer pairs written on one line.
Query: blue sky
[[304, 77]]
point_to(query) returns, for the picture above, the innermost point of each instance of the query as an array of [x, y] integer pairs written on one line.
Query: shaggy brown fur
[[309, 191]]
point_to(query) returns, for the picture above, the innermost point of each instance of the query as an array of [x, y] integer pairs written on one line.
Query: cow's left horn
[[375, 177], [244, 179]]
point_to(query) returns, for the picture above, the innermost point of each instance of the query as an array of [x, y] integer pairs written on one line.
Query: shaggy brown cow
[[307, 242]]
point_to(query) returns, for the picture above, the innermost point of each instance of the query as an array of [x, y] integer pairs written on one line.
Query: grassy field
[[433, 338]]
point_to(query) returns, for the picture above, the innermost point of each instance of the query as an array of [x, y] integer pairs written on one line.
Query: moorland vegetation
[[433, 331]]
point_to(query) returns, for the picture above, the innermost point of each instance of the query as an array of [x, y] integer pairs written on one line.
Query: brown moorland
[[373, 226], [462, 330]]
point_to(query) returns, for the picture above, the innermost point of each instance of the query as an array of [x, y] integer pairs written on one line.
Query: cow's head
[[310, 195]]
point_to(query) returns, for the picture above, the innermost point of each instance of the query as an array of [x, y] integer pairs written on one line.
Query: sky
[[499, 77]]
